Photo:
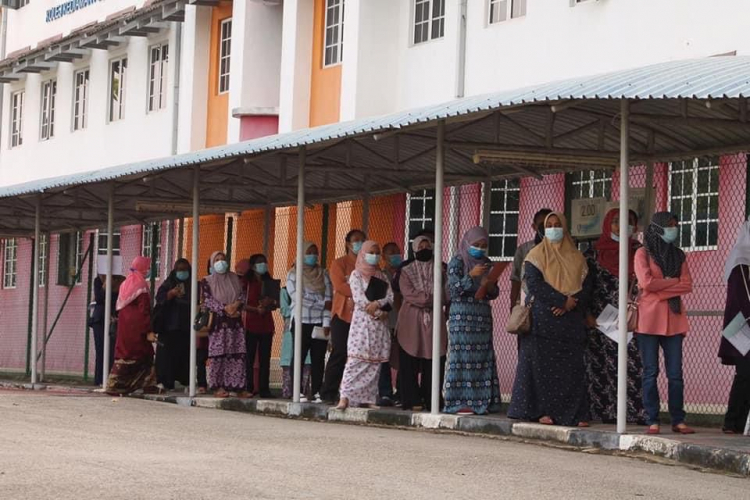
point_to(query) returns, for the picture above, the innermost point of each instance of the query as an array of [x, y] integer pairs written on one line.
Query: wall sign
[[67, 8], [588, 214]]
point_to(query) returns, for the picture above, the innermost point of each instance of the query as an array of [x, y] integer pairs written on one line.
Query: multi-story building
[[218, 72]]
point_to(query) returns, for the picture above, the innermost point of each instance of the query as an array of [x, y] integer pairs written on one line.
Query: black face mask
[[424, 255], [539, 236]]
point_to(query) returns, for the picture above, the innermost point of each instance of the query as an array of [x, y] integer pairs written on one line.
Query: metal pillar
[[486, 203], [45, 312], [35, 291], [455, 214], [194, 279], [108, 285], [298, 361], [622, 346], [89, 294], [438, 319]]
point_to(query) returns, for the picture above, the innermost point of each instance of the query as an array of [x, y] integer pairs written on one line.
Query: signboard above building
[[587, 215], [68, 7]]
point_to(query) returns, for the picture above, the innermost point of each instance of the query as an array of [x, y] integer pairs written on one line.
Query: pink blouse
[[654, 315]]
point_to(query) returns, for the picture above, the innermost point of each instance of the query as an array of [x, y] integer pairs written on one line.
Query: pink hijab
[[366, 270], [472, 235], [225, 287], [135, 284]]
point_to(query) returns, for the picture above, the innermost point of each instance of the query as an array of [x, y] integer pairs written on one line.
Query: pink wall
[[252, 127]]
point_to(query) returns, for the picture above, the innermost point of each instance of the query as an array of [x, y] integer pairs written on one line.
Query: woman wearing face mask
[[134, 350], [471, 384], [316, 303], [550, 383], [259, 325], [393, 260], [222, 293], [369, 339], [341, 313], [601, 351], [174, 327], [663, 278], [414, 328]]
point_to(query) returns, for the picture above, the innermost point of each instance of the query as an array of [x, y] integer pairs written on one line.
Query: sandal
[[244, 395], [221, 393], [343, 404], [583, 424], [546, 421], [653, 429], [682, 429]]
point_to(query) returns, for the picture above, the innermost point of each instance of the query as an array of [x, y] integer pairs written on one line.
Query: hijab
[[740, 254], [366, 270], [225, 288], [421, 273], [135, 284], [564, 267], [608, 250], [470, 237], [242, 267], [667, 256], [313, 277], [172, 278]]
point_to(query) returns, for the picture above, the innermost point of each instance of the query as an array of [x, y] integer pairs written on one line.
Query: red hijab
[[366, 270], [135, 284], [608, 250]]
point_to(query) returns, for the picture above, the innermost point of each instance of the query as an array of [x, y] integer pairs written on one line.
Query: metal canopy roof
[[679, 109]]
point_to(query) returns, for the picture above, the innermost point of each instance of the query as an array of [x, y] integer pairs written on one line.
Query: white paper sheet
[[608, 324], [101, 264], [737, 333]]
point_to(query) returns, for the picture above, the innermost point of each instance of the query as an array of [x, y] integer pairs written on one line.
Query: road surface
[[81, 447]]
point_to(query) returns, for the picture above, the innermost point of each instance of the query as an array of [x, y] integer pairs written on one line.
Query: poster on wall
[[101, 265], [587, 215]]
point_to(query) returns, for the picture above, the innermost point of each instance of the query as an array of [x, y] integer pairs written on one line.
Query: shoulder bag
[[633, 307], [519, 322], [203, 323]]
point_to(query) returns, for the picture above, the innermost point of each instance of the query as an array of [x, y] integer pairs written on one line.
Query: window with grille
[[150, 231], [49, 92], [333, 49], [10, 262], [16, 118], [43, 245], [502, 10], [157, 77], [117, 80], [504, 212], [694, 198], [102, 242], [590, 184], [225, 52], [70, 254], [420, 213], [81, 99], [429, 20]]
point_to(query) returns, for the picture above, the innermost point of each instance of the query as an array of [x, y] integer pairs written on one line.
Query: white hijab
[[740, 254]]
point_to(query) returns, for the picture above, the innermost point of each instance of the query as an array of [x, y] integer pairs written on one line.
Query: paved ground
[[79, 447]]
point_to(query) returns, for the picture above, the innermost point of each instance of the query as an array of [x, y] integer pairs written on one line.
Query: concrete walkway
[[708, 448]]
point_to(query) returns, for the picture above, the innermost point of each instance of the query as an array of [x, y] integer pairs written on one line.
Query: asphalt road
[[81, 447]]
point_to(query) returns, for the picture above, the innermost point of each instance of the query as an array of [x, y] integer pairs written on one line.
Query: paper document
[[608, 324], [101, 264], [737, 333]]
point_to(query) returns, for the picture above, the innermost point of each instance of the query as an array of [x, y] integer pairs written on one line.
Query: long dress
[[287, 351], [601, 355], [551, 372], [471, 374], [226, 345], [134, 354], [368, 346], [174, 328]]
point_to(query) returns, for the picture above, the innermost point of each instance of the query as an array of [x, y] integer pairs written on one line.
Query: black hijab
[[172, 280], [667, 256]]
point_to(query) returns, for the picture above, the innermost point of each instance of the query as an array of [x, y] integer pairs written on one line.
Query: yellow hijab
[[564, 267]]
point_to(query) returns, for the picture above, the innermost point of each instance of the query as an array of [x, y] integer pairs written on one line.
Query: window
[[333, 50], [590, 184], [225, 51], [117, 80], [504, 211], [102, 242], [157, 79], [429, 20], [149, 231], [81, 99], [70, 258], [23, 3], [694, 197], [420, 212], [43, 245], [10, 260], [16, 118], [502, 10], [49, 92]]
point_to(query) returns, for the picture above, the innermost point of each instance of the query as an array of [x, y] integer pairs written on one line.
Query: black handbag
[[203, 322]]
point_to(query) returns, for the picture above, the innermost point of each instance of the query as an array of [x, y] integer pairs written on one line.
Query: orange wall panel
[[325, 85], [212, 238], [218, 104]]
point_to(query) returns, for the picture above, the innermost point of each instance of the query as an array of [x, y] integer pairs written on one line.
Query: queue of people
[[375, 311]]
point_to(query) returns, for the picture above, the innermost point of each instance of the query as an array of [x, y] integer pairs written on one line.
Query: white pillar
[[622, 347], [194, 280], [298, 361], [35, 291], [486, 203], [438, 320], [296, 65], [108, 285]]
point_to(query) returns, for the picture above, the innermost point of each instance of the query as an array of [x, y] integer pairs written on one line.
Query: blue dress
[[551, 372], [471, 374]]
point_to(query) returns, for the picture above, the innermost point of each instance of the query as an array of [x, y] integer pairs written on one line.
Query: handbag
[[203, 323], [319, 333], [519, 321], [633, 308]]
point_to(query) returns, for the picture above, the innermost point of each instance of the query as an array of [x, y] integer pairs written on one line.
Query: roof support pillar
[[438, 319], [194, 277], [35, 290], [108, 285], [622, 346], [298, 361]]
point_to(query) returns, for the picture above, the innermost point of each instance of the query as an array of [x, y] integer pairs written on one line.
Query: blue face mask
[[356, 247], [670, 234], [221, 266], [183, 275], [261, 268], [615, 237], [311, 260], [477, 252], [372, 259], [554, 234], [395, 260]]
